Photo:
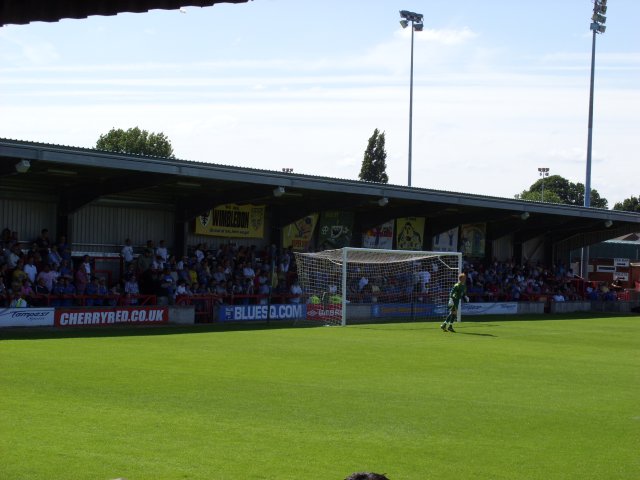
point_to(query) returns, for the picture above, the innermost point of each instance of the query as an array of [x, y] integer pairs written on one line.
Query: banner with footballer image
[[472, 239], [446, 241], [237, 221], [409, 233]]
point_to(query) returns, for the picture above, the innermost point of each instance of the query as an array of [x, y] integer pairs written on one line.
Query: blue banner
[[236, 313]]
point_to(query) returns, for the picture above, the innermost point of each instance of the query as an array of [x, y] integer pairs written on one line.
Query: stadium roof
[[21, 12], [74, 177]]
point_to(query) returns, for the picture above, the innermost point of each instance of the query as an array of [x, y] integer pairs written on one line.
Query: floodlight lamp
[[608, 223], [601, 28], [525, 215], [278, 191], [599, 18], [418, 27], [383, 201], [603, 3], [404, 23], [23, 166], [411, 16], [602, 10]]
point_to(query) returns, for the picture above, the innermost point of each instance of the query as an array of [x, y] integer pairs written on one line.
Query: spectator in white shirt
[[127, 253], [162, 251], [296, 292], [31, 270]]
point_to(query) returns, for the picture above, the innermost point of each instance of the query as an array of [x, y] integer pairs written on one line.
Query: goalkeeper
[[458, 291]]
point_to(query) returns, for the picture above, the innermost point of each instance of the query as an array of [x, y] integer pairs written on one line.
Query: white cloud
[[17, 48], [479, 127], [447, 37]]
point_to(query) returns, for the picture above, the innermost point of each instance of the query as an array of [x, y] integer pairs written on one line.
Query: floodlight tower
[[598, 20], [544, 173], [415, 19], [597, 26]]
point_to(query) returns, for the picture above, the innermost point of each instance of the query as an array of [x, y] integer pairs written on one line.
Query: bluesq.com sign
[[230, 313]]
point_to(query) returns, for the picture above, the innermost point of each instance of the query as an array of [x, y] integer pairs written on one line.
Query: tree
[[136, 141], [558, 189], [374, 164], [536, 196], [631, 204]]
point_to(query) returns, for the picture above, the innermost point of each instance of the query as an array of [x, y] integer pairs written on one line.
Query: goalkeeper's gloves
[[466, 299], [451, 302]]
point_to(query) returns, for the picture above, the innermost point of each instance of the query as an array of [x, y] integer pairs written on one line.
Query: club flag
[[336, 229], [380, 236], [298, 235]]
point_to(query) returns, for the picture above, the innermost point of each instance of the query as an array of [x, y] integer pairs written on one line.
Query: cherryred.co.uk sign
[[111, 316]]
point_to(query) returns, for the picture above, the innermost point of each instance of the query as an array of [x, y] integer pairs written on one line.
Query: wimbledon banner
[[239, 221]]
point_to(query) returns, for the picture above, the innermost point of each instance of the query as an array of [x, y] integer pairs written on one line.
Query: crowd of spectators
[[44, 273], [508, 281], [31, 270], [229, 272]]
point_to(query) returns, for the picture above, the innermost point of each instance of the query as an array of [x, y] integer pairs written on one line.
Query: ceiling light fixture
[[23, 166]]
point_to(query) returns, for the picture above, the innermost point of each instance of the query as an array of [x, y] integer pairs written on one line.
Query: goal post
[[367, 284]]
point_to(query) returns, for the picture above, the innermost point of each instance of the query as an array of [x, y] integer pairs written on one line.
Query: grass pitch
[[537, 399]]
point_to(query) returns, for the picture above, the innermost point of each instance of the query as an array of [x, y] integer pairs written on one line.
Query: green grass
[[535, 399]]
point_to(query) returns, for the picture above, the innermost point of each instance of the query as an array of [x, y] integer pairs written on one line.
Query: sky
[[501, 88]]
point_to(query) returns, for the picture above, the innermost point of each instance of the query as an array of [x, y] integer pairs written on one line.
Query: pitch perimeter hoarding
[[284, 311], [490, 308], [101, 317], [26, 317]]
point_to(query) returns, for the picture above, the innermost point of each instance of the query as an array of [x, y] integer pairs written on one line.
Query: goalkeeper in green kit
[[458, 291]]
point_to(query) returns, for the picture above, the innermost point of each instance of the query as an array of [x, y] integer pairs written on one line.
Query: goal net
[[362, 284]]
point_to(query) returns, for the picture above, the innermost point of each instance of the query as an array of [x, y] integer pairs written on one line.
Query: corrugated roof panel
[[21, 12]]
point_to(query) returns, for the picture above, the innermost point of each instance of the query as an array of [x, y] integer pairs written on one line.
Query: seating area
[[43, 272]]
